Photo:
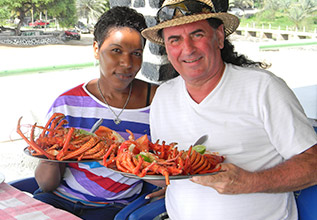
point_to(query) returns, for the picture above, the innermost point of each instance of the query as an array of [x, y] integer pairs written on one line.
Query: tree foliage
[[20, 8], [242, 4], [4, 13], [300, 10], [297, 11], [63, 10], [91, 10]]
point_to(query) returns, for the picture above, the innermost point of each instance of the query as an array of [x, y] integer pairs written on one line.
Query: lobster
[[142, 157], [56, 142]]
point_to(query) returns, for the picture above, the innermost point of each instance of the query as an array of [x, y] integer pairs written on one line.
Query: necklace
[[117, 120]]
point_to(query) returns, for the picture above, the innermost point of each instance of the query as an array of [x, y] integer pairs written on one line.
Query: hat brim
[[231, 23]]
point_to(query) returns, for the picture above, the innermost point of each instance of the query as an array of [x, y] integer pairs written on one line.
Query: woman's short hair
[[116, 17]]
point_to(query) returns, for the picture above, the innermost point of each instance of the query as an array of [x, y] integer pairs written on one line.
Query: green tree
[[20, 8], [242, 4], [272, 7], [296, 10], [4, 13], [285, 4], [91, 9], [301, 9], [258, 3], [64, 10]]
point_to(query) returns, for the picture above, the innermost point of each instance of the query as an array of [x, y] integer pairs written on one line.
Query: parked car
[[83, 29], [72, 34], [236, 11], [39, 23]]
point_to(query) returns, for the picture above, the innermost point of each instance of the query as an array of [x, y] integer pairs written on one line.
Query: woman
[[90, 190]]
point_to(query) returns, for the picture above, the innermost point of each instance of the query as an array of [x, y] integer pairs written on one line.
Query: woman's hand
[[49, 174], [159, 194]]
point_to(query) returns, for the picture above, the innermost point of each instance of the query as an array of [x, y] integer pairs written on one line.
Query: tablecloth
[[15, 204]]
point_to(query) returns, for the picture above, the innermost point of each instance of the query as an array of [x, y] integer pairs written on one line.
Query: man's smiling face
[[194, 49]]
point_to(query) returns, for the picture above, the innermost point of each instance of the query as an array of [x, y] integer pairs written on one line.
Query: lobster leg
[[211, 171], [131, 136], [56, 123], [92, 142], [199, 160], [119, 165], [64, 150], [96, 156], [126, 162], [32, 144], [202, 165], [100, 147], [110, 152], [59, 115], [138, 161], [63, 122]]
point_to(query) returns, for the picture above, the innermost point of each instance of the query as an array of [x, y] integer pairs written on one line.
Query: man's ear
[[96, 50], [220, 36]]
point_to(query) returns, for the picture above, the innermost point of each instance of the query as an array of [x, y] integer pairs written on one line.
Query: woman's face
[[120, 55]]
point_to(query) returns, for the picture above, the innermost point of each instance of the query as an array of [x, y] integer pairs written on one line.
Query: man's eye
[[198, 35], [174, 41]]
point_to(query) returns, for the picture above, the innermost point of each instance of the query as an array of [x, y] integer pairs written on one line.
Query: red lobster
[[58, 143], [141, 157]]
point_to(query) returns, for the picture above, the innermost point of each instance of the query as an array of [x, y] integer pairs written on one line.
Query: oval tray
[[27, 152], [159, 177]]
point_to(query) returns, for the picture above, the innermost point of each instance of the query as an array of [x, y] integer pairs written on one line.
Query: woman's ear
[[220, 36], [96, 50]]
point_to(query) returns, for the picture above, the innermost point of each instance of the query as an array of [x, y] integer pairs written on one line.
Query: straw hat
[[219, 8]]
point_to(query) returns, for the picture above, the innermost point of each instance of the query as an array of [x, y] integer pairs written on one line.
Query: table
[[15, 204]]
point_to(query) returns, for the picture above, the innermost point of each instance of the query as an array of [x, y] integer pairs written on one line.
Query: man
[[249, 114]]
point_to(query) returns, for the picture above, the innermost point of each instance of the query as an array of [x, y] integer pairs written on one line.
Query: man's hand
[[229, 180], [293, 174]]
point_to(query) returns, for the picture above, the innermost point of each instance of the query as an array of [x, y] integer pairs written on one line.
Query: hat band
[[184, 8]]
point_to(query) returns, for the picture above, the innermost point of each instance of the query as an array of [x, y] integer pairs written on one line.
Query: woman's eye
[[116, 50], [137, 54]]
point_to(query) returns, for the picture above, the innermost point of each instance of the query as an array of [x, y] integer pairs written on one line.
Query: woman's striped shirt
[[92, 183]]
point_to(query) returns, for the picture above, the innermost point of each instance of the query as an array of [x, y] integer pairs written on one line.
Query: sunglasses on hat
[[187, 7]]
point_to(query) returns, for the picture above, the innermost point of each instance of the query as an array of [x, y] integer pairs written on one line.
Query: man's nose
[[188, 46]]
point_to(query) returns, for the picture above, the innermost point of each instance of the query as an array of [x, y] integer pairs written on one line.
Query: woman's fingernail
[[147, 197]]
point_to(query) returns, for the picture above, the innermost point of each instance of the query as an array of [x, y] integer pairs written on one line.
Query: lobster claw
[[143, 143], [109, 134]]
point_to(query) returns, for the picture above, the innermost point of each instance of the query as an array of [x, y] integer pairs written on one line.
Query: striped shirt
[[90, 182]]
